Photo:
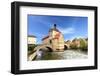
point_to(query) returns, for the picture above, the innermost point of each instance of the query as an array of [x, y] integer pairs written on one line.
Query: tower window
[[50, 42]]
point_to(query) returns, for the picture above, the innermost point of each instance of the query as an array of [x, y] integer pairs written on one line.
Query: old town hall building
[[55, 39]]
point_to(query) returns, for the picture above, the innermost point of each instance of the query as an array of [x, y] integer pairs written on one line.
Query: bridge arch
[[49, 48], [66, 47], [44, 47]]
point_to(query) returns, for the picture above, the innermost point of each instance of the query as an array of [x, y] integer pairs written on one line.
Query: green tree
[[31, 47], [83, 44]]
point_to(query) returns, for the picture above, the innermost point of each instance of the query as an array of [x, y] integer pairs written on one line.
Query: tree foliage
[[79, 44], [83, 44], [31, 47]]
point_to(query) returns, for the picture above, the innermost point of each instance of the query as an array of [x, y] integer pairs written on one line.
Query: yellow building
[[54, 38], [31, 39]]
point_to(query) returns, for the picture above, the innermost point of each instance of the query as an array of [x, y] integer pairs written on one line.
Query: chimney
[[54, 26]]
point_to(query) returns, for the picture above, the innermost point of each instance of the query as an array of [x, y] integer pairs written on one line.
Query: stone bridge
[[43, 47], [46, 48], [66, 46]]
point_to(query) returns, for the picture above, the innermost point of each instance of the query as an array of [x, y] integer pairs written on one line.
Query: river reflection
[[67, 54]]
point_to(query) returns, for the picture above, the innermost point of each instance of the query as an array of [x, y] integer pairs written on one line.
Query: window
[[50, 42]]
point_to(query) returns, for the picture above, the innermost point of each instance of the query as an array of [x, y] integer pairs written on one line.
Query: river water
[[67, 54]]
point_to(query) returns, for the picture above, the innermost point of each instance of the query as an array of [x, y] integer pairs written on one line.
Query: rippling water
[[68, 54]]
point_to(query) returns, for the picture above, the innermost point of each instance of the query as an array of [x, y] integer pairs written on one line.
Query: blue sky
[[71, 26]]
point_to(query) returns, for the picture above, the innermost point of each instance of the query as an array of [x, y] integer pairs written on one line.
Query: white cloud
[[69, 30]]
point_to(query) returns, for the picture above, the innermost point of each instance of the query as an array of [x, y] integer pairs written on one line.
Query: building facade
[[31, 39], [55, 39]]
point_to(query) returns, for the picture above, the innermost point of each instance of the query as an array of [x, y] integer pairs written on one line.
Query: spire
[[55, 26]]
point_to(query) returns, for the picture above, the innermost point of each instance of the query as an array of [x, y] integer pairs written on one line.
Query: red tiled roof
[[45, 37]]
